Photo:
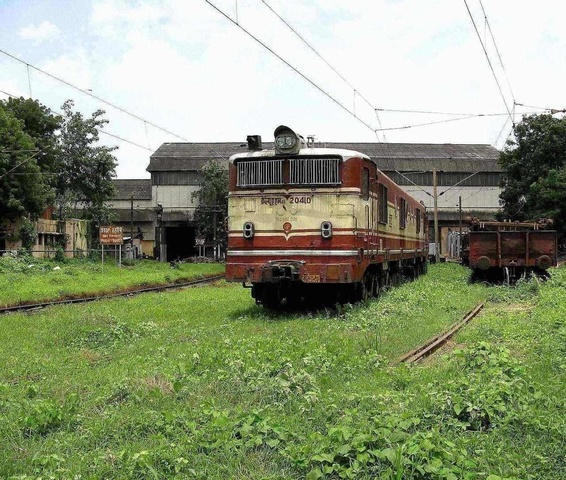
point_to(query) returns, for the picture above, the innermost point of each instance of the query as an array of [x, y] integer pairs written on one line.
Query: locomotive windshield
[[291, 171]]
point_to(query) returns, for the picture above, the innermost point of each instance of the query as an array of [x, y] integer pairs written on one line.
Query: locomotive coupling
[[278, 270]]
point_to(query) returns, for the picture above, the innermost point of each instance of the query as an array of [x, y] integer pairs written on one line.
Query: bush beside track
[[203, 384]]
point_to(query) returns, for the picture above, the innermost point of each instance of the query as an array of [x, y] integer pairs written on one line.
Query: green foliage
[[42, 126], [87, 168], [45, 416], [491, 389], [213, 203], [22, 190], [200, 383], [28, 235], [533, 165], [27, 279]]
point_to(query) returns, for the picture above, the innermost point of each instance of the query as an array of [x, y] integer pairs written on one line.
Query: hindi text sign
[[109, 235]]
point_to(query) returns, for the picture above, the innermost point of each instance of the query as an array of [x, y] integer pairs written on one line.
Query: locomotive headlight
[[326, 229], [248, 230], [287, 141]]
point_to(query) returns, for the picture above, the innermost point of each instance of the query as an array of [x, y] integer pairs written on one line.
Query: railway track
[[436, 342], [159, 288]]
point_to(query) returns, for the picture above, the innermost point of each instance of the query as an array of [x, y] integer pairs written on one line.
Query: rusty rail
[[436, 342], [158, 288]]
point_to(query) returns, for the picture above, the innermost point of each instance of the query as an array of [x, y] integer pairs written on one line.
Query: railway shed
[[164, 205]]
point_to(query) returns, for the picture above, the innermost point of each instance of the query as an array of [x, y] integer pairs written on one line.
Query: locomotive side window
[[382, 194], [418, 220], [402, 213], [365, 183]]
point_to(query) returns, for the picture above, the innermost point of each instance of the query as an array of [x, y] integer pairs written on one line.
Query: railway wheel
[[506, 276], [270, 297], [365, 288]]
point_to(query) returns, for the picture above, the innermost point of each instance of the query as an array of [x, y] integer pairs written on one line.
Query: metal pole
[[132, 225], [435, 195], [460, 226], [214, 241]]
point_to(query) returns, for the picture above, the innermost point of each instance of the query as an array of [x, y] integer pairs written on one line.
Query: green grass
[[25, 280], [201, 383]]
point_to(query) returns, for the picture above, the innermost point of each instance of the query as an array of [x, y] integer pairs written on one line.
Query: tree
[[87, 168], [213, 203], [533, 171], [548, 200], [23, 190], [42, 126]]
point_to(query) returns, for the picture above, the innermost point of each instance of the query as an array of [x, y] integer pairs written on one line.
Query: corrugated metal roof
[[140, 189], [389, 156]]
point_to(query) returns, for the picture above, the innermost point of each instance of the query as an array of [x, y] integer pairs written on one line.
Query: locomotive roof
[[388, 156], [304, 151]]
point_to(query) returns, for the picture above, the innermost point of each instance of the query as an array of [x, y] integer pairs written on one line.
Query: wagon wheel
[[366, 288], [376, 290], [506, 275]]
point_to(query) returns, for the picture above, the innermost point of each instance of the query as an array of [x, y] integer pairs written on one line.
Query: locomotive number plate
[[308, 278], [300, 199]]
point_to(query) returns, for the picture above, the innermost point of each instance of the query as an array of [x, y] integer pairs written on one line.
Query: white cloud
[[182, 65], [39, 33]]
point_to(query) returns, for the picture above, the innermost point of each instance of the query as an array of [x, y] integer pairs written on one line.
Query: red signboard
[[111, 235]]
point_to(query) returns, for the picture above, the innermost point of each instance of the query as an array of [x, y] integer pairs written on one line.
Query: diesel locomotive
[[318, 224]]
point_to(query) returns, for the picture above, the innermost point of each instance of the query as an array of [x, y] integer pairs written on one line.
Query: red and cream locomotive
[[318, 224]]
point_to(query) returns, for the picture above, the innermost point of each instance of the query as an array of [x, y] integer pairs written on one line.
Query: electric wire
[[428, 112], [100, 130], [488, 60], [404, 127], [296, 70], [86, 92], [497, 50], [356, 91]]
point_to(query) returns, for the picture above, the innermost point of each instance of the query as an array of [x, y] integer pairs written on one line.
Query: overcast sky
[[185, 67]]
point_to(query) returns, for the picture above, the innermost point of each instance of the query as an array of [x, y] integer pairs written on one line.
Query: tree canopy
[[86, 168], [67, 167], [23, 189], [213, 203], [534, 171]]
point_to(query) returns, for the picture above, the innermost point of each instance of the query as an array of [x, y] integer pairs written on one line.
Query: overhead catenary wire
[[356, 91], [404, 127], [104, 132], [489, 61], [296, 70], [86, 92], [497, 50]]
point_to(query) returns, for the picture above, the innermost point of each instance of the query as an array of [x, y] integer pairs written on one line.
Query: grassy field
[[24, 280], [201, 383]]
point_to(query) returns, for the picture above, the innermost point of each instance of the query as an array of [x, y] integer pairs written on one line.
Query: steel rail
[[436, 342], [158, 288]]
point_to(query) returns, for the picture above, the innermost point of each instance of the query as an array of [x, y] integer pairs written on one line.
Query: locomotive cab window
[[402, 213], [382, 194], [365, 183]]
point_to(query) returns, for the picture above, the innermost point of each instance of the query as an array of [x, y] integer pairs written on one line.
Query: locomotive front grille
[[294, 171], [314, 171], [260, 172]]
